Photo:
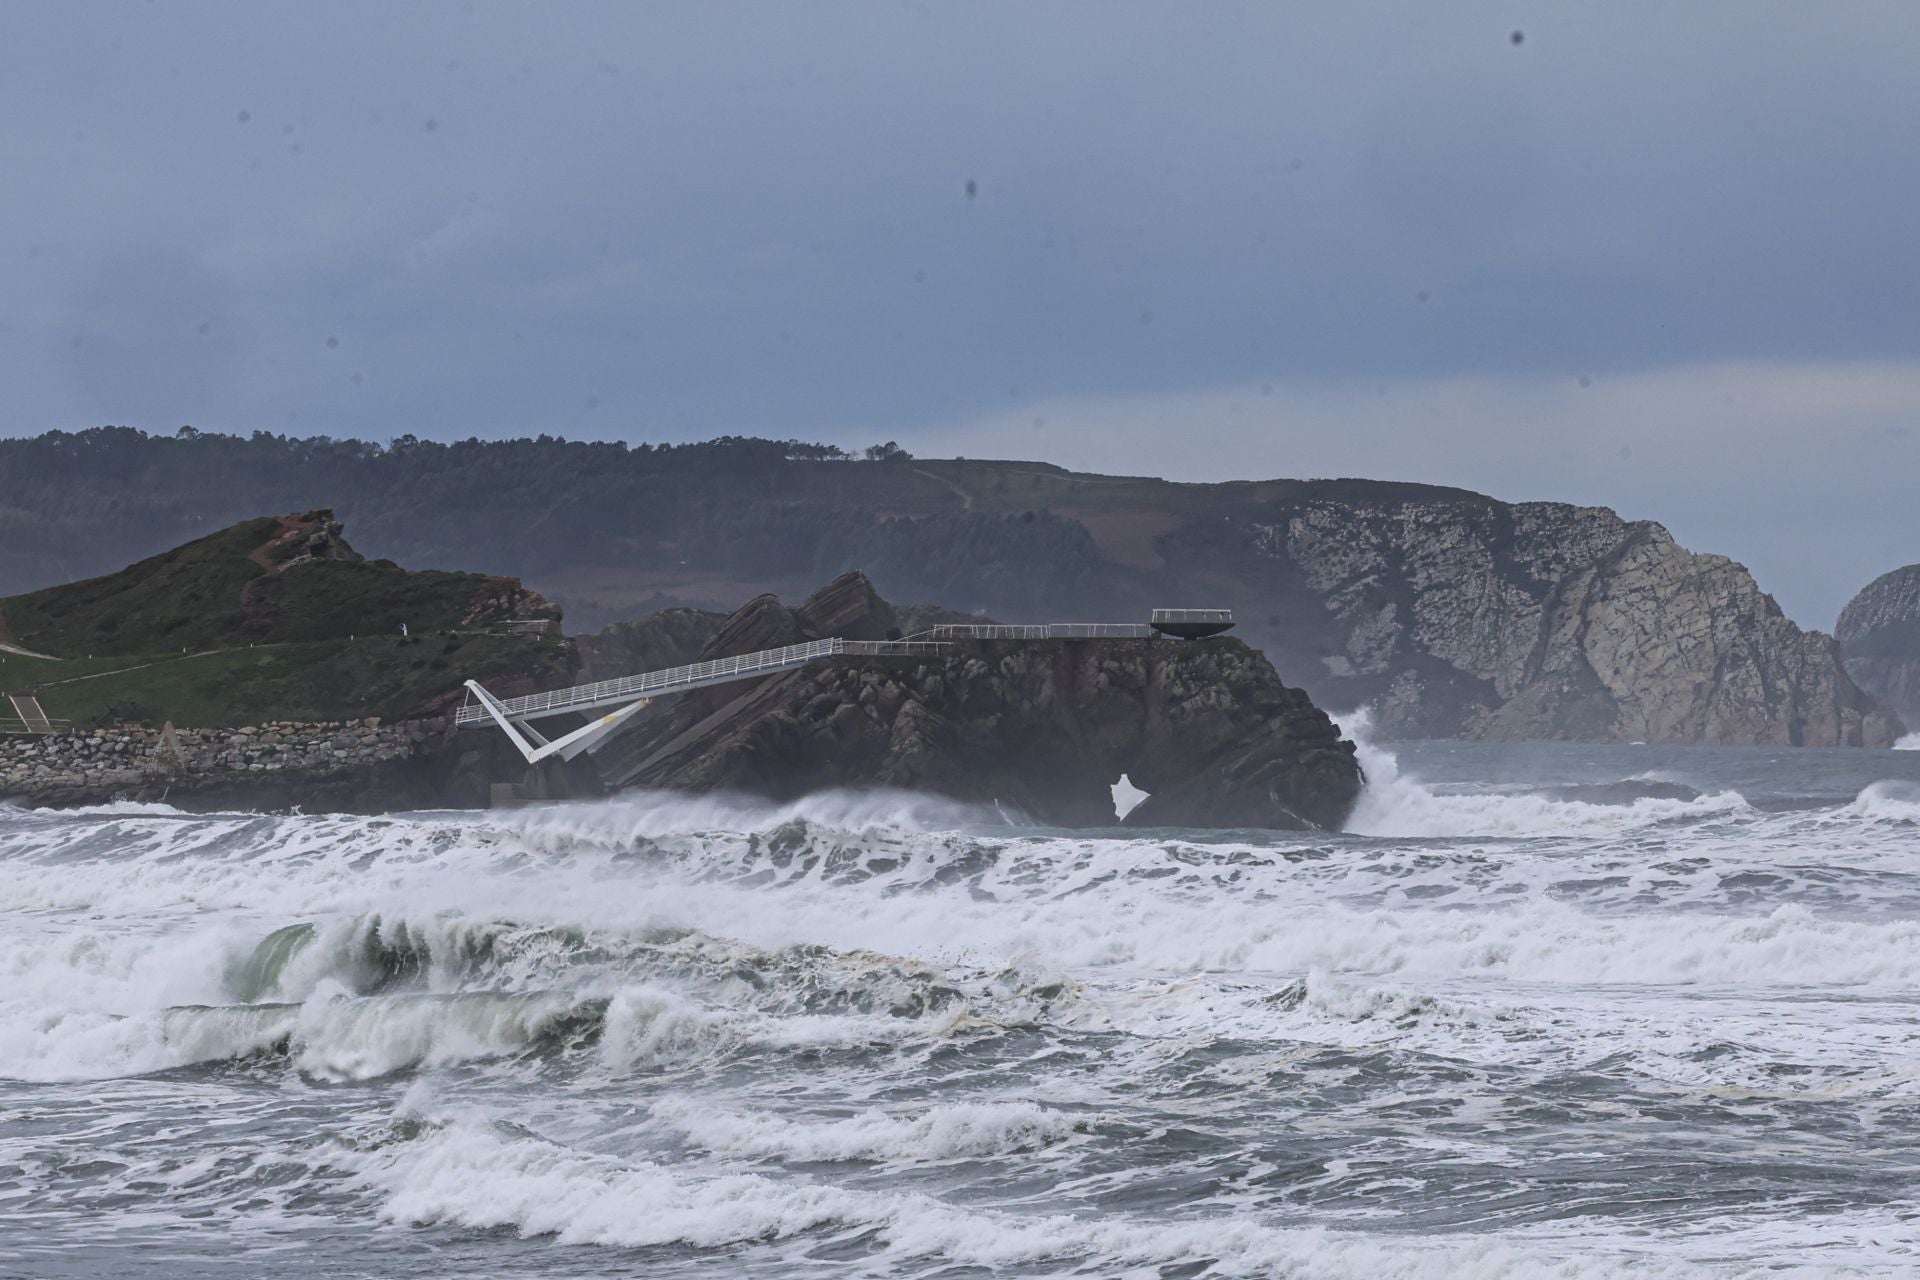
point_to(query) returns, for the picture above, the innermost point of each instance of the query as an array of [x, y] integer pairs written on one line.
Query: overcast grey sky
[[1660, 256]]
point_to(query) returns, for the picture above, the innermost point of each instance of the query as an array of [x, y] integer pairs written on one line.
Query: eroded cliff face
[[1879, 635], [1044, 728], [1465, 617]]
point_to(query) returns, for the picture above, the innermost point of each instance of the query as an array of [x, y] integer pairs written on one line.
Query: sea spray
[[1396, 803], [895, 1036]]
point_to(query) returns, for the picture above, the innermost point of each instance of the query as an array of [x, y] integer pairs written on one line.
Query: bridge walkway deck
[[590, 697]]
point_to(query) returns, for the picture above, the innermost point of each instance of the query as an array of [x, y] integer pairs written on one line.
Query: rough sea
[[1562, 1011]]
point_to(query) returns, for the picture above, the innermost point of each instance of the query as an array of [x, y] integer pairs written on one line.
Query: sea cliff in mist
[[1452, 613]]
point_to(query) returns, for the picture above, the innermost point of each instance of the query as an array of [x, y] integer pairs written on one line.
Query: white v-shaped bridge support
[[585, 738]]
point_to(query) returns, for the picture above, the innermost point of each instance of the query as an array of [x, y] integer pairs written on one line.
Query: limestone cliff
[[1879, 634], [1044, 728], [1462, 616]]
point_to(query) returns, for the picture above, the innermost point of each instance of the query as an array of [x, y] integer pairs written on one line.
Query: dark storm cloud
[[838, 220]]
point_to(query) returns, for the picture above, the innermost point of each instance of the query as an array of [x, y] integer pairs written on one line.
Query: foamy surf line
[[465, 1172], [1397, 804], [888, 1036]]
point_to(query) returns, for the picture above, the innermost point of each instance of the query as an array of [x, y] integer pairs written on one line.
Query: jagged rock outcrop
[[1044, 727], [1468, 617], [670, 638], [1879, 635], [299, 539], [675, 637]]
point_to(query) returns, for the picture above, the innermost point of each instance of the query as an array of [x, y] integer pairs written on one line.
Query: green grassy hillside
[[274, 579], [314, 680], [271, 618]]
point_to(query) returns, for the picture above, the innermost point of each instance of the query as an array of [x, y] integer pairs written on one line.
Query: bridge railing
[[48, 724], [1037, 631], [584, 697]]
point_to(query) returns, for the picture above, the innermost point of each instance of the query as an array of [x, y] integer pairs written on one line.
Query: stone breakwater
[[281, 761]]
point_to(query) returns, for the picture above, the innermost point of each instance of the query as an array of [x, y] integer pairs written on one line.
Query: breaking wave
[[467, 1172], [884, 1034], [1889, 802], [955, 1131], [1394, 803]]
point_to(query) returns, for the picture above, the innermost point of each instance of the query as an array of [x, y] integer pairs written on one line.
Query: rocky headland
[[1452, 613], [1469, 618], [1042, 728], [1879, 635]]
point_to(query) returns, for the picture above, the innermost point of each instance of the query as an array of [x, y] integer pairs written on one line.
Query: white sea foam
[[631, 816], [653, 1026], [183, 904], [339, 1037], [759, 1025], [1394, 803], [952, 1131], [467, 1173], [1909, 743], [1889, 801]]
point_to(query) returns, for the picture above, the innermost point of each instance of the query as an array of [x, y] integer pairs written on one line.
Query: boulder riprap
[[1043, 728], [357, 765], [1879, 636]]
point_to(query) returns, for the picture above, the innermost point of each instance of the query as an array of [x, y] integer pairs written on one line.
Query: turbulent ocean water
[[1544, 1011]]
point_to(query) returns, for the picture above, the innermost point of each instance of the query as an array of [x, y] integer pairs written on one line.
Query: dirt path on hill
[[966, 499], [138, 666]]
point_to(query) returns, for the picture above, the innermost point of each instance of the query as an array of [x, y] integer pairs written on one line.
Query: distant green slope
[[271, 618], [317, 680], [268, 580], [188, 597]]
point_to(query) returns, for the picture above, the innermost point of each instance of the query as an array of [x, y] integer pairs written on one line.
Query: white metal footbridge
[[630, 693], [633, 692]]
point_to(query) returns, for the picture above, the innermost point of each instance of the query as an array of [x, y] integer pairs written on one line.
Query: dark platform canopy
[[1192, 624]]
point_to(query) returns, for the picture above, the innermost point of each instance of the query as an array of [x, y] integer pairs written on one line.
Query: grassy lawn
[[316, 680]]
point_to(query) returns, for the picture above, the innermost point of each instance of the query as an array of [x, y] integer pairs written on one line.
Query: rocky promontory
[[1879, 635], [1042, 728], [1453, 615]]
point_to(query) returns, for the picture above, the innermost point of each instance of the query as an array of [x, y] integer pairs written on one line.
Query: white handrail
[[1038, 631], [585, 697]]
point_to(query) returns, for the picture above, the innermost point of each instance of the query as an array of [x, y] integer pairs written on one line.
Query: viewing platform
[[1192, 624]]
